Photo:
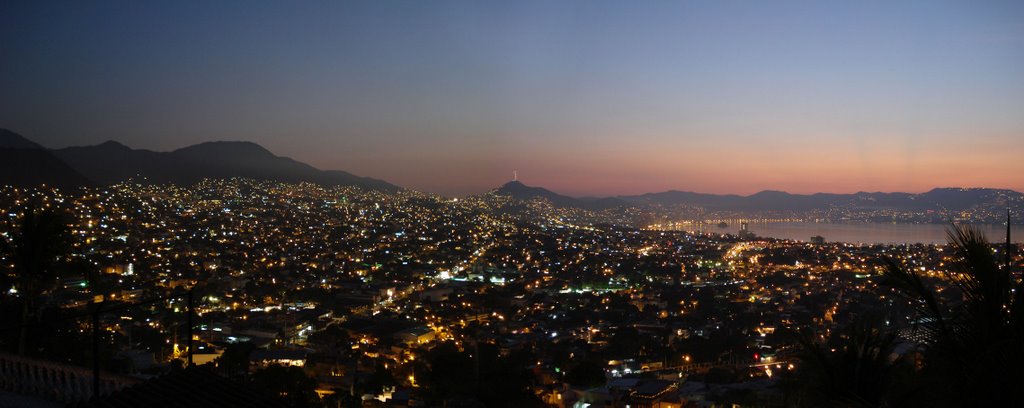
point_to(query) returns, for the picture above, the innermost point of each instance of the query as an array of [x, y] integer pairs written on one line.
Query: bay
[[865, 233]]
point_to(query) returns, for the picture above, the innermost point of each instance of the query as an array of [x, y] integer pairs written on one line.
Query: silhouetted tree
[[235, 359], [973, 344], [41, 241], [586, 374], [450, 375], [381, 379], [625, 342], [855, 368], [291, 383]]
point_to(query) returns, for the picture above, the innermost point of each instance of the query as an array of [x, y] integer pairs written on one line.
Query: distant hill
[[945, 199], [939, 199], [520, 191], [111, 162], [11, 140], [765, 200], [24, 163]]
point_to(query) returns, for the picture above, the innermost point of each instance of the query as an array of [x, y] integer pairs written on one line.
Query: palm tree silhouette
[[973, 343], [856, 367], [41, 241]]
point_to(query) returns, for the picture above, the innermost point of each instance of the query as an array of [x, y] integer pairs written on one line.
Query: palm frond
[[909, 286], [987, 290]]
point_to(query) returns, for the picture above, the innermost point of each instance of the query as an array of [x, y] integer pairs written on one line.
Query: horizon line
[[516, 179]]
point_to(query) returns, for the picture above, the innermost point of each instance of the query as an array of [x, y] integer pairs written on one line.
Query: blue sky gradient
[[589, 98]]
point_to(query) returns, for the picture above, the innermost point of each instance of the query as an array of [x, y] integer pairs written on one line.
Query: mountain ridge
[[939, 198], [27, 163], [518, 190], [24, 162], [111, 162]]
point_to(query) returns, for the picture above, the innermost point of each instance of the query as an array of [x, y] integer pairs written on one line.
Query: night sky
[[585, 98]]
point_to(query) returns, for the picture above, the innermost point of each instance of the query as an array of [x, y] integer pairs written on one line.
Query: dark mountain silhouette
[[24, 163], [520, 191], [942, 199], [765, 200], [956, 199], [11, 140], [111, 162], [939, 199]]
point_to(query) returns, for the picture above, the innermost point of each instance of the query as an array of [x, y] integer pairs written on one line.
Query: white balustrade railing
[[55, 381]]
